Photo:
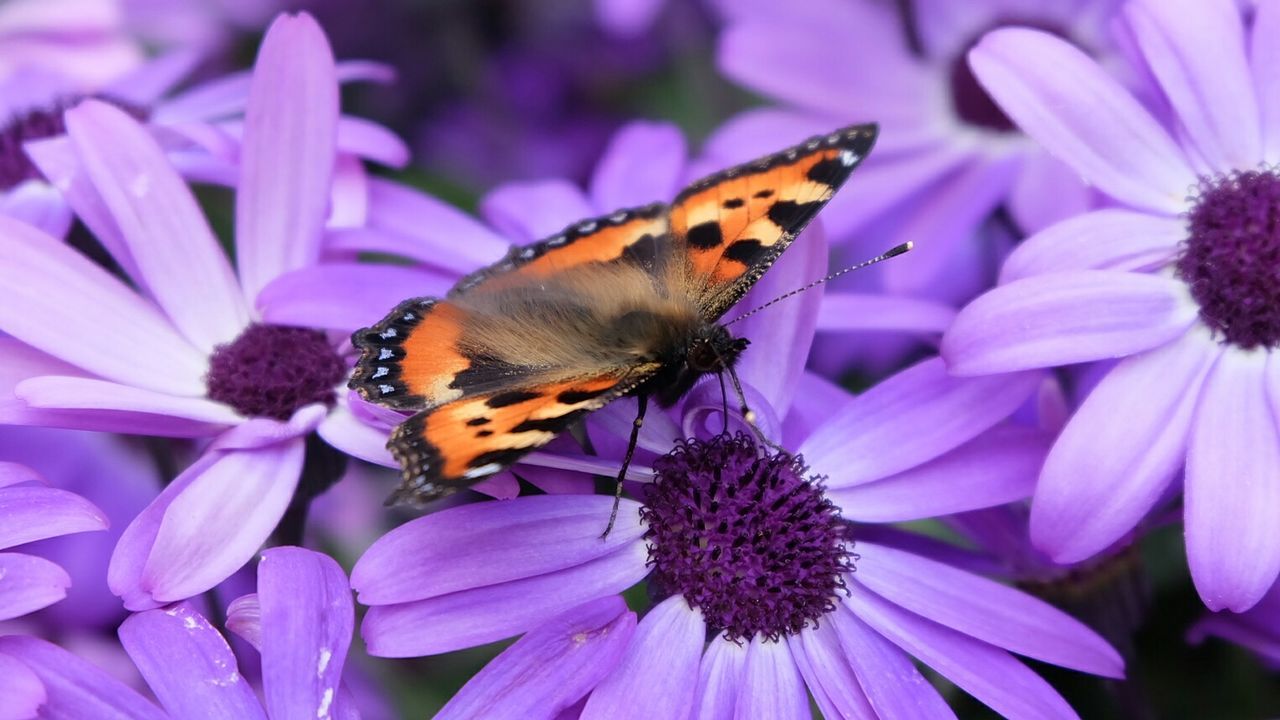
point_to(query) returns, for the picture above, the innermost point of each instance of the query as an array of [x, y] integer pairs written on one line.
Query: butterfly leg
[[642, 404], [749, 416]]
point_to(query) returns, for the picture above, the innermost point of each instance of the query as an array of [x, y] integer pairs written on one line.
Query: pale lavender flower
[[188, 355], [31, 511], [82, 39], [947, 158], [1179, 281], [300, 619]]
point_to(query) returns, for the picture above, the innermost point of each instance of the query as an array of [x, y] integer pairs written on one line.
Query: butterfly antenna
[[904, 247]]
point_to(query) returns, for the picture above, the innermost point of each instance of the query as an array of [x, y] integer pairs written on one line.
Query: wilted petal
[[1110, 239], [474, 617], [549, 669], [995, 468], [1058, 95], [489, 543], [76, 688], [988, 673], [28, 583], [528, 211], [984, 609], [178, 259], [885, 673], [911, 418], [663, 654], [1196, 51], [288, 155], [49, 289], [1233, 482], [188, 665], [1065, 318], [307, 619], [244, 618], [772, 686], [1118, 453]]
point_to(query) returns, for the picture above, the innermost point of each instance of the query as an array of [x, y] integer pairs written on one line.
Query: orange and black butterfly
[[625, 304]]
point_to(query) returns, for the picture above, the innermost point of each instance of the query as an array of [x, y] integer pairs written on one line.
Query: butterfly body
[[625, 304]]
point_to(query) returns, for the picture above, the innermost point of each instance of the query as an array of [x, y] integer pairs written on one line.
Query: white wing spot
[[382, 370], [386, 389], [387, 334], [481, 471], [587, 227], [384, 353], [847, 158]]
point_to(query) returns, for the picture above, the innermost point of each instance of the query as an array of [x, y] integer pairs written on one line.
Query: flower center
[[1231, 257], [745, 539], [273, 370], [37, 124]]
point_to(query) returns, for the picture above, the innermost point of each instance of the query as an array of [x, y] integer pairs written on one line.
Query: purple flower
[[300, 619], [1257, 629], [1178, 281], [189, 356], [82, 39], [947, 158], [30, 511]]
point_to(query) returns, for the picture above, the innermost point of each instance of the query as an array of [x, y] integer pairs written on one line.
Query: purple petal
[[1063, 99], [178, 258], [188, 665], [474, 617], [1233, 480], [1065, 318], [989, 674], [288, 155], [416, 225], [889, 679], [244, 618], [21, 689], [148, 84], [371, 141], [551, 668], [1114, 459], [772, 686], [345, 296], [261, 432], [984, 609], [845, 312], [644, 163], [911, 418], [33, 513], [1111, 239], [813, 59], [627, 18], [28, 583], [38, 204], [1047, 191], [307, 619], [48, 286], [783, 334], [720, 680], [347, 432], [664, 653], [489, 543], [827, 674], [76, 688], [995, 468], [12, 473], [76, 393], [1196, 51], [528, 211], [205, 525], [1265, 59]]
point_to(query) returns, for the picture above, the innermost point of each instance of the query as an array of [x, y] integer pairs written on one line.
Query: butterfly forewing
[[733, 225]]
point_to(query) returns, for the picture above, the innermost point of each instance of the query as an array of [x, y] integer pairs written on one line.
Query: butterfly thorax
[[708, 348]]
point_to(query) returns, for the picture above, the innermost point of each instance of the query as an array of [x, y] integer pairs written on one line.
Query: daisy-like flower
[[1179, 281], [946, 152], [300, 620], [187, 354], [31, 511]]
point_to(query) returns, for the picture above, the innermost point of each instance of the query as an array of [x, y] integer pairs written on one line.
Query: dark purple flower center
[[37, 124], [1231, 257], [745, 539], [273, 370]]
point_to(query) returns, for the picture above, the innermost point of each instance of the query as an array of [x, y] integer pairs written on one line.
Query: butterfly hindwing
[[733, 225]]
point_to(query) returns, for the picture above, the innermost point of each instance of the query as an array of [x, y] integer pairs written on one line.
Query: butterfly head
[[713, 349]]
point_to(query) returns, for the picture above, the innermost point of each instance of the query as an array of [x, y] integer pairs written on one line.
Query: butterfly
[[628, 304]]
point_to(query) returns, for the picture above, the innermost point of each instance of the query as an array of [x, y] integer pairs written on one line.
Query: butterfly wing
[[514, 355], [733, 225]]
